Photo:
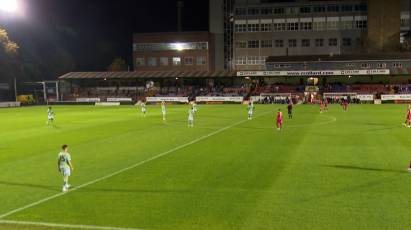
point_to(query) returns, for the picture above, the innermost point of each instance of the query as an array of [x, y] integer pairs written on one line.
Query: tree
[[118, 64], [8, 47]]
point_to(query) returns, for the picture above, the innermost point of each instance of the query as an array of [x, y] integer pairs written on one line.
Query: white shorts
[[50, 118], [65, 171]]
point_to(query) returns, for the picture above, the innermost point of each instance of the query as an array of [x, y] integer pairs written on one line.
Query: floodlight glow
[[179, 46], [8, 5]]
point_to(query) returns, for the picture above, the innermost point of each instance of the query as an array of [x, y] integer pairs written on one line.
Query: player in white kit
[[143, 108], [250, 109], [50, 116], [65, 166], [163, 110], [191, 117]]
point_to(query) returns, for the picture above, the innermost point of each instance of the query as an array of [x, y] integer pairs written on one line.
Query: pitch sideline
[[73, 226]]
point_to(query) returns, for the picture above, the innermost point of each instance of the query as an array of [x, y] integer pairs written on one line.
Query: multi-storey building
[[263, 28], [180, 51]]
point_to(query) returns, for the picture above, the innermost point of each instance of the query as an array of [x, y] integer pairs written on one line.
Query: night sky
[[91, 33]]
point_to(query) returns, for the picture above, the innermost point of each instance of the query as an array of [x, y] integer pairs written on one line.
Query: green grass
[[337, 170]]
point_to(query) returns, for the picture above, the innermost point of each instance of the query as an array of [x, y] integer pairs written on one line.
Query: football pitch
[[336, 170]]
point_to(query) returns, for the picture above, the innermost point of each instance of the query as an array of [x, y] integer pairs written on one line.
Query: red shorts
[[279, 122]]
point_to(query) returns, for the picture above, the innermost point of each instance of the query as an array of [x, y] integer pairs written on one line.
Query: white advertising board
[[85, 99], [125, 99], [311, 73], [219, 99], [167, 99], [9, 104], [396, 97], [365, 97]]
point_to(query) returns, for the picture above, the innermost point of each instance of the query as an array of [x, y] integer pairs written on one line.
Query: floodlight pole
[[57, 91], [15, 89]]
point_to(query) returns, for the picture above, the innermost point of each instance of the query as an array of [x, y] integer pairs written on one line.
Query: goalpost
[[37, 92]]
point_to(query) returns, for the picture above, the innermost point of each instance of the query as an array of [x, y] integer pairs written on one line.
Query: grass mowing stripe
[[125, 169], [55, 225]]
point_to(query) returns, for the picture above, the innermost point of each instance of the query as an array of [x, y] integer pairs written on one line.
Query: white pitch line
[[55, 225], [2, 216]]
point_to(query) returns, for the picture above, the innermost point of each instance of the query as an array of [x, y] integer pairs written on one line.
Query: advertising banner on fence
[[107, 103], [219, 99], [9, 104], [396, 97], [125, 99], [86, 99], [313, 73], [167, 99], [365, 97]]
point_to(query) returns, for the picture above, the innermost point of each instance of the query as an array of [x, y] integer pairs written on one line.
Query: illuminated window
[[176, 61]]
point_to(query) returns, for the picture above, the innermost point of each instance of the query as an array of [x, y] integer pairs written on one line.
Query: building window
[[332, 25], [266, 11], [305, 9], [346, 25], [292, 26], [176, 61], [381, 65], [266, 43], [397, 65], [152, 61], [279, 10], [319, 42], [306, 26], [365, 65], [140, 61], [346, 41], [333, 8], [361, 24], [188, 60], [253, 11], [253, 60], [346, 8], [291, 10], [239, 28], [319, 9], [319, 26], [240, 11], [164, 61], [240, 44], [262, 60], [279, 26], [265, 27], [241, 60], [305, 43], [292, 43], [279, 43], [333, 42], [201, 60], [253, 27], [361, 7], [350, 65], [253, 44]]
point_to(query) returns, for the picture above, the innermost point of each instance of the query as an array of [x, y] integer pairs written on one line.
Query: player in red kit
[[279, 120], [409, 167], [407, 122], [345, 104], [321, 106], [326, 104]]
